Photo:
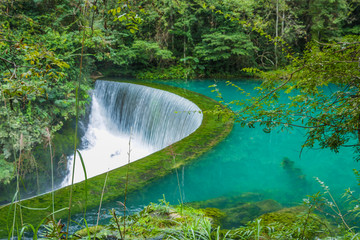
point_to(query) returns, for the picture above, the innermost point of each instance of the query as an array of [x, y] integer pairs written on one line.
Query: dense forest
[[50, 49]]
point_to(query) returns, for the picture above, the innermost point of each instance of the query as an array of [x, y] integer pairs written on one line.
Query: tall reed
[[17, 193], [126, 184], [52, 171], [76, 129], [173, 155]]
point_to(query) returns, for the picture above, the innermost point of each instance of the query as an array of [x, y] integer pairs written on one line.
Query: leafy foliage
[[174, 72], [7, 171], [217, 47], [322, 96], [37, 82]]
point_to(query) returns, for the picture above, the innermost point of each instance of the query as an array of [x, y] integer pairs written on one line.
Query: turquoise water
[[250, 160]]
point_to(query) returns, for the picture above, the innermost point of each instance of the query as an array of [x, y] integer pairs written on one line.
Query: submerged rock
[[296, 177], [225, 202]]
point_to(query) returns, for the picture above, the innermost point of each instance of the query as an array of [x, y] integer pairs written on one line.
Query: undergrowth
[[163, 221]]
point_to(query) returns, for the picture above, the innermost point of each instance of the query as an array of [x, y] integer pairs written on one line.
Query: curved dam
[[128, 122]]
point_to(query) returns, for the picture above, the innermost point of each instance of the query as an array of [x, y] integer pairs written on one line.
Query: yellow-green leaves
[[125, 14]]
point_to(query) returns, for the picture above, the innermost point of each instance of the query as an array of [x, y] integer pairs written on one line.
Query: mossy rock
[[225, 202], [215, 214], [244, 213], [268, 205], [311, 225], [91, 230], [285, 216]]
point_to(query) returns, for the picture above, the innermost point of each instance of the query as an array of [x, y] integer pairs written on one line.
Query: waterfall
[[124, 116]]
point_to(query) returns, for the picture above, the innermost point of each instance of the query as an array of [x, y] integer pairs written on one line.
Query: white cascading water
[[153, 118]]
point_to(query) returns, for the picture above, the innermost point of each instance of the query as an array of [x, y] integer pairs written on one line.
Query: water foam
[[131, 117]]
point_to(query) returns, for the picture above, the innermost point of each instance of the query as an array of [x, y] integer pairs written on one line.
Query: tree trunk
[[283, 23], [276, 32], [184, 49], [104, 14], [359, 115], [184, 46], [308, 21]]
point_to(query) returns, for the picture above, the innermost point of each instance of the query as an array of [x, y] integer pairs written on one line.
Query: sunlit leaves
[[124, 13]]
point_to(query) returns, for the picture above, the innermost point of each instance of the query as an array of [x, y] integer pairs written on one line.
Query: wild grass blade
[[22, 231], [36, 209], [102, 194], [87, 229], [33, 229], [86, 190], [18, 165], [113, 212], [11, 232], [22, 183], [76, 127], [74, 161], [52, 170], [43, 220], [173, 154], [101, 199], [38, 227], [126, 183], [13, 203], [57, 211], [356, 236]]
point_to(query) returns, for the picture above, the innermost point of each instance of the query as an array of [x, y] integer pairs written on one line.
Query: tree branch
[[274, 90], [15, 67]]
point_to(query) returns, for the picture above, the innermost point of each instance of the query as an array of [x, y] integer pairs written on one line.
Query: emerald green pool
[[249, 160]]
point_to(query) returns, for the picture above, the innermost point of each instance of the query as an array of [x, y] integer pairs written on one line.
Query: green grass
[[141, 172], [158, 221]]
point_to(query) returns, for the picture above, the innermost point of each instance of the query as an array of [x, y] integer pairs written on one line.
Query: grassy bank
[[141, 172]]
